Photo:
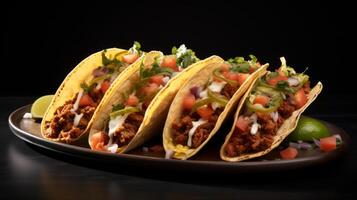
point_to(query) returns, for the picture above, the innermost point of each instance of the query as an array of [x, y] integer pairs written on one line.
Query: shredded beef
[[62, 127], [286, 108], [201, 134], [181, 128], [228, 91], [127, 132]]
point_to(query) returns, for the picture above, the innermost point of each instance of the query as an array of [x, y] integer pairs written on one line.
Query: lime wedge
[[40, 106], [307, 129]]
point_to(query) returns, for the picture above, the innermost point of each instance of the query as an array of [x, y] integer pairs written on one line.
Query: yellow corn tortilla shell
[[199, 79], [286, 128], [71, 86], [156, 112]]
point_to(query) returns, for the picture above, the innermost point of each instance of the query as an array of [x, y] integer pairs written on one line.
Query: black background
[[40, 45]]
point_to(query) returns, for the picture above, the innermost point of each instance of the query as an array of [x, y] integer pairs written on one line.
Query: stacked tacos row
[[123, 98]]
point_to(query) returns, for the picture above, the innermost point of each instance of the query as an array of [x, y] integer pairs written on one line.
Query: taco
[[268, 113], [203, 103], [74, 106], [137, 107]]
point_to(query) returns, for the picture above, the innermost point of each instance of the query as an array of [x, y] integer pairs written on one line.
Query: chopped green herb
[[154, 70], [119, 106]]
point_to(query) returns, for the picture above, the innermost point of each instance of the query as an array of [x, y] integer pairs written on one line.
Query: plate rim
[[66, 148]]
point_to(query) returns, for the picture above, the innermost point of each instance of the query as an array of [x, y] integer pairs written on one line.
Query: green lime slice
[[309, 128], [40, 106]]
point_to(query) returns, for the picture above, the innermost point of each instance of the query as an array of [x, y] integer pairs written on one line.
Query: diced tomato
[[231, 76], [86, 100], [205, 112], [300, 98], [242, 124], [328, 144], [130, 58], [158, 79], [242, 77], [289, 153], [169, 62], [275, 80], [251, 69], [150, 88], [105, 86], [97, 141], [188, 102], [132, 100], [225, 67], [261, 99]]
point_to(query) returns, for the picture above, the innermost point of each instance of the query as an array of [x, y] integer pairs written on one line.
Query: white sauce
[[114, 124], [215, 105], [181, 50], [75, 105], [166, 79], [169, 154], [254, 128], [274, 116], [174, 74], [99, 85], [195, 125], [217, 86], [203, 94], [133, 49], [113, 77], [293, 81], [27, 116], [77, 118], [113, 148]]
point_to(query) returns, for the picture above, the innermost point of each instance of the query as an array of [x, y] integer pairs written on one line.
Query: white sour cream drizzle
[[114, 124], [75, 105], [169, 154], [216, 86], [77, 118], [195, 125]]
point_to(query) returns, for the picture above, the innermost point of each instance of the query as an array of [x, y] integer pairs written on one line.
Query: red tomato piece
[[241, 78], [242, 124], [86, 100], [328, 144], [289, 153], [261, 99], [158, 79], [170, 62], [205, 112], [300, 98], [188, 102], [130, 58], [275, 80], [97, 141], [132, 100], [105, 86]]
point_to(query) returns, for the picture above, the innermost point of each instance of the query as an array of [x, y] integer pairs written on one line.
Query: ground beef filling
[[182, 127], [125, 133], [244, 142], [228, 91], [62, 124]]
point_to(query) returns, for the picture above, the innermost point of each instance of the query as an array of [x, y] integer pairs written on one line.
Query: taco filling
[[202, 106], [71, 119], [127, 116], [273, 100]]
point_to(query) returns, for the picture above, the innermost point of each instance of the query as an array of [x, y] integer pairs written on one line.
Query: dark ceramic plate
[[207, 159]]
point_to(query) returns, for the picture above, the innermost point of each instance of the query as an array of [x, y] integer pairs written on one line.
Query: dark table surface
[[30, 172]]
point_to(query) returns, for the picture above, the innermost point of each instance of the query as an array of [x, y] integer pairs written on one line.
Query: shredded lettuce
[[184, 57], [136, 48]]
